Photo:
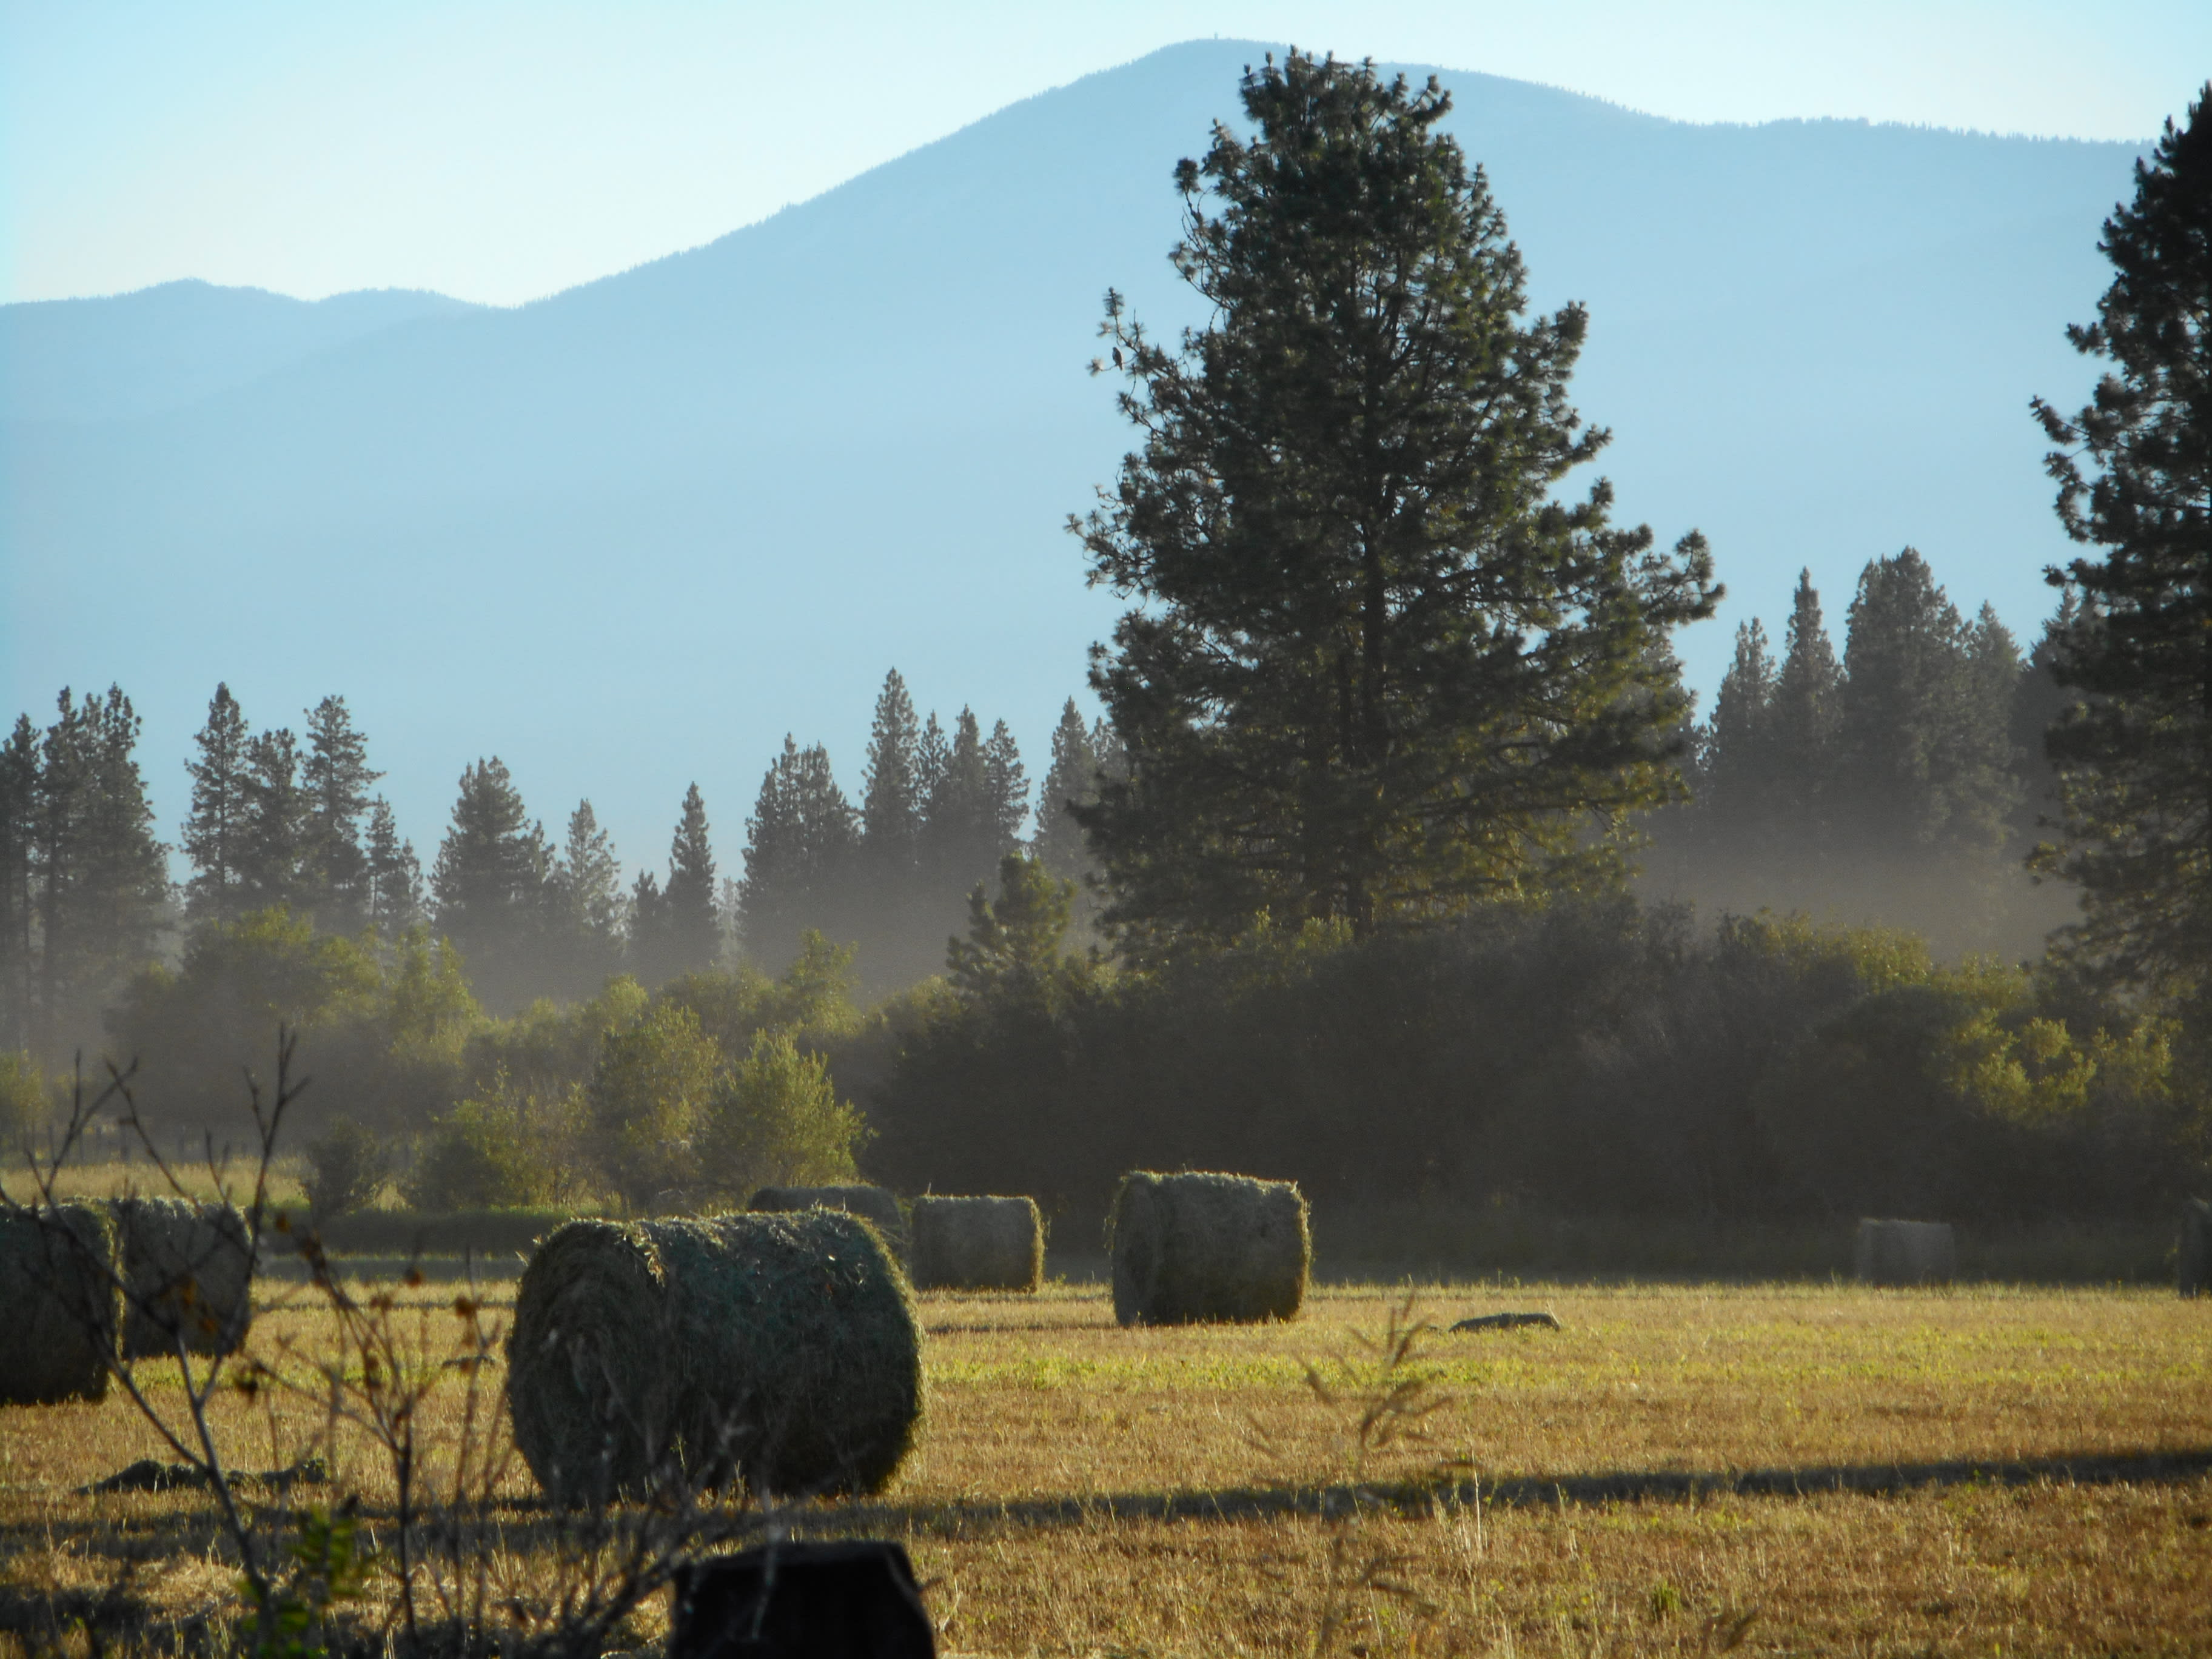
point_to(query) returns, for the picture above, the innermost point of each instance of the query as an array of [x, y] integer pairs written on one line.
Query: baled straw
[[187, 1269], [776, 1350], [61, 1303], [1905, 1252], [873, 1204], [1199, 1247], [989, 1244]]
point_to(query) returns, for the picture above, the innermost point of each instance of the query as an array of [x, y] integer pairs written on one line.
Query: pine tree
[[334, 777], [394, 875], [101, 886], [649, 929], [1736, 774], [2134, 470], [801, 847], [216, 829], [960, 835], [1924, 747], [490, 884], [272, 849], [1379, 670], [1006, 789], [19, 800], [1072, 778], [891, 804], [693, 938], [587, 904], [1808, 695]]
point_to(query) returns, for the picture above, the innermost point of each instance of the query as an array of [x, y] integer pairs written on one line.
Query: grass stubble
[[1032, 1505]]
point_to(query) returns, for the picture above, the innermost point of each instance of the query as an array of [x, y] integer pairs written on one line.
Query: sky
[[499, 152]]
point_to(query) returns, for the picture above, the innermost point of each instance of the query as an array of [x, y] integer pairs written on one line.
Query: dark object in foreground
[[148, 1475], [802, 1601], [2193, 1262], [1508, 1321]]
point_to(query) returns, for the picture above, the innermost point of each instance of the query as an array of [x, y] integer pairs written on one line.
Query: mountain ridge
[[712, 497]]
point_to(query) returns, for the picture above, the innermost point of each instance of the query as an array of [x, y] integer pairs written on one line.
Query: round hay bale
[[1905, 1252], [590, 1379], [777, 1351], [61, 1301], [188, 1268], [873, 1204], [977, 1243], [1192, 1248], [2193, 1261]]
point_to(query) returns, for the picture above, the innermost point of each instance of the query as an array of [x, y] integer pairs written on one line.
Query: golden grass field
[[1084, 1490]]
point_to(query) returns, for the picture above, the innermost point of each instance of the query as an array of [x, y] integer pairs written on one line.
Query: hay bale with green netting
[[1905, 1253], [870, 1203], [977, 1243], [2193, 1261], [60, 1303], [777, 1351], [1194, 1247], [188, 1268]]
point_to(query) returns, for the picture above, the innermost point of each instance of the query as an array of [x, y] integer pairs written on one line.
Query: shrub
[[773, 1120], [345, 1170], [643, 1101], [483, 1155]]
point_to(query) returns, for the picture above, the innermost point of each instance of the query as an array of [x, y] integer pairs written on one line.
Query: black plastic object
[[802, 1601]]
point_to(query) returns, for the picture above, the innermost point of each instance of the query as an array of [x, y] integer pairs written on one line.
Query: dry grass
[[1034, 1504], [116, 1178]]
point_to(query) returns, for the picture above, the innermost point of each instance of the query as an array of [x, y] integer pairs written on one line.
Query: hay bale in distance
[[873, 1204], [1196, 1247], [779, 1351], [1905, 1253], [2193, 1261], [977, 1243], [61, 1304], [187, 1267]]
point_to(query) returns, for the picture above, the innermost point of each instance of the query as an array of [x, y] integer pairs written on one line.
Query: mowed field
[[2023, 1470]]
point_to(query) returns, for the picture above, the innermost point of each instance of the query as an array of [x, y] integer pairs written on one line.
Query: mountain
[[165, 348], [628, 536]]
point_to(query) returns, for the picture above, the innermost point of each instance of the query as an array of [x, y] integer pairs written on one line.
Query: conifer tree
[[2134, 470], [588, 905], [393, 875], [1006, 786], [490, 884], [891, 805], [334, 777], [1806, 698], [1738, 767], [1381, 671], [215, 831], [101, 886], [272, 849], [800, 844], [18, 784], [1070, 779], [1922, 748], [693, 938]]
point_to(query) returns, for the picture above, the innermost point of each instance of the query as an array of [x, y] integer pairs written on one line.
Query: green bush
[[774, 1121], [643, 1102], [480, 1156], [346, 1169]]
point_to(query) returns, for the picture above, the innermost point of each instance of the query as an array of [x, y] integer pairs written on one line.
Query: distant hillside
[[628, 536], [164, 348]]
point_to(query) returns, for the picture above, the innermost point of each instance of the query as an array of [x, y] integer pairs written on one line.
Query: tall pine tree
[[2134, 470], [1381, 671], [335, 778], [393, 873], [892, 792], [491, 882], [801, 847], [272, 849], [215, 831], [694, 939]]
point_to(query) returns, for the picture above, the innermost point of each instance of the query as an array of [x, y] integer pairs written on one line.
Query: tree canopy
[[1378, 670]]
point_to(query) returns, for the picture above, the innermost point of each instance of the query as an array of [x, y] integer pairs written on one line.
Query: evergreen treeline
[[1898, 783], [280, 820]]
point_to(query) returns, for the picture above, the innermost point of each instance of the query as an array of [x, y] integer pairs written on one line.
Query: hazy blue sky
[[498, 152]]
